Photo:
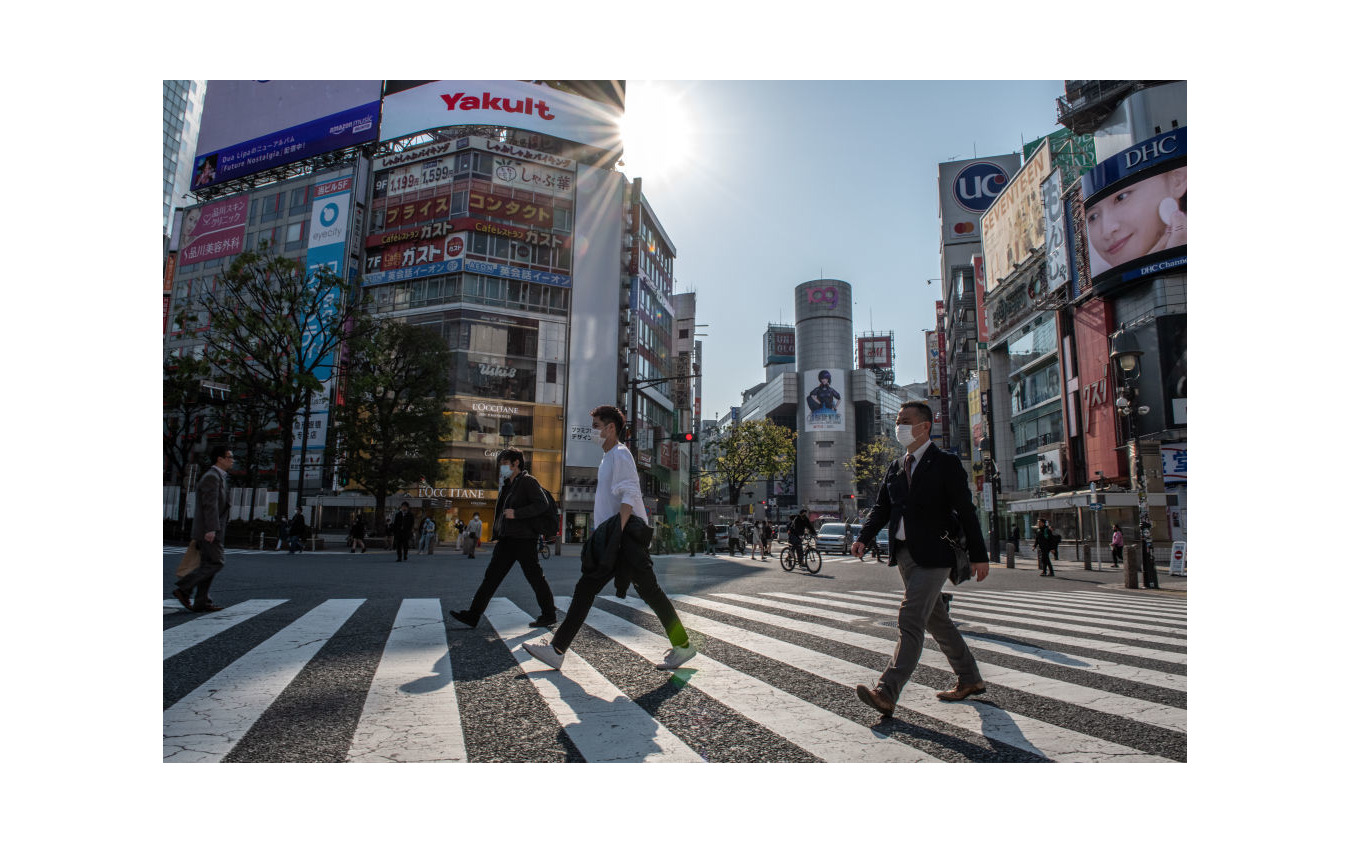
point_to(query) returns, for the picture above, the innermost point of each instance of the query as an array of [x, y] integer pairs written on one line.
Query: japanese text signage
[[215, 230], [1056, 233]]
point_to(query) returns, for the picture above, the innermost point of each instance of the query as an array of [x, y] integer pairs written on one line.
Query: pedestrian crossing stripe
[[411, 711]]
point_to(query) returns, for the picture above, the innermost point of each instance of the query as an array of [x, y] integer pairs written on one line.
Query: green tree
[[184, 408], [868, 466], [752, 451], [274, 329], [392, 421]]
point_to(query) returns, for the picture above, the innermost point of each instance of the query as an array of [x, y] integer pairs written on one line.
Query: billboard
[[874, 353], [966, 189], [518, 105], [214, 230], [1135, 209], [780, 344], [1056, 232], [824, 402], [931, 351], [251, 125], [1172, 367], [329, 222], [1014, 225]]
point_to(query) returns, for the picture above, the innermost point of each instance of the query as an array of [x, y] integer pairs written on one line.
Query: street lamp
[[995, 484], [1127, 361]]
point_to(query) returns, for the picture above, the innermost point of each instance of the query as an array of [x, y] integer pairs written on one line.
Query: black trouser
[[213, 560], [1117, 553], [401, 545], [507, 553], [644, 581], [1046, 566]]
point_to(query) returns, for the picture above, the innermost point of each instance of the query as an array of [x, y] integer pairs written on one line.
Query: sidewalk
[[1166, 582]]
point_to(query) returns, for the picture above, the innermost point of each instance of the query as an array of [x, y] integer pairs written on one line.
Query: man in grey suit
[[924, 501], [208, 530]]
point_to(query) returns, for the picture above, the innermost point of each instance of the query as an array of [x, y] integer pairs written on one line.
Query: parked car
[[830, 538]]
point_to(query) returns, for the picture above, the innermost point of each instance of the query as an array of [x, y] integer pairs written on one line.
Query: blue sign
[[468, 265], [1169, 146], [978, 185], [336, 131]]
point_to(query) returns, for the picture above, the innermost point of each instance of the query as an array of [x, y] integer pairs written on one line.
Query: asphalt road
[[334, 656]]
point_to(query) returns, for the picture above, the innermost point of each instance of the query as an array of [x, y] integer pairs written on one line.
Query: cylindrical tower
[[825, 424]]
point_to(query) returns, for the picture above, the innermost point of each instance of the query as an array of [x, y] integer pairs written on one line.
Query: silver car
[[830, 538]]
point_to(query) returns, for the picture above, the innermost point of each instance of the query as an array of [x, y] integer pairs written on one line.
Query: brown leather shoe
[[210, 606], [877, 699], [183, 598], [961, 692]]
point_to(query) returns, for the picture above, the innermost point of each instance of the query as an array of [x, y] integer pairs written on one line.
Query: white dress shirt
[[918, 455], [617, 484]]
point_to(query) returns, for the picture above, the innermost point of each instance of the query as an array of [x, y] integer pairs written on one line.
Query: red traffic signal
[[685, 437]]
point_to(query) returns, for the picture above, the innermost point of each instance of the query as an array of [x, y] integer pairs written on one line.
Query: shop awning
[[1082, 498]]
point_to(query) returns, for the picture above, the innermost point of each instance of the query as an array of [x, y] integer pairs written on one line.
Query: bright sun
[[656, 131]]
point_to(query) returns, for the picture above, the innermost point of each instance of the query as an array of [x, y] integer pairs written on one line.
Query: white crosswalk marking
[[780, 605], [1082, 609], [1086, 697], [203, 726], [189, 633], [599, 718], [411, 712], [815, 730], [1017, 730], [1156, 609], [1030, 647]]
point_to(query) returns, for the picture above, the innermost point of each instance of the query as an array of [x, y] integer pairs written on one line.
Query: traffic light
[[685, 437]]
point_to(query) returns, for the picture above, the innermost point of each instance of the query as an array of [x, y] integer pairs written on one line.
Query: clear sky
[[764, 185]]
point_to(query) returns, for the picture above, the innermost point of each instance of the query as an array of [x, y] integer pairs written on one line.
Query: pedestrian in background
[[208, 531], [388, 534], [403, 528], [923, 503], [473, 532], [1017, 539], [1117, 546], [297, 530], [283, 530], [1043, 542], [359, 533], [710, 536], [427, 544]]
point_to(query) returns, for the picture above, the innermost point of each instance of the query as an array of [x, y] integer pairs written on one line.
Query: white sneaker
[[675, 657], [544, 652]]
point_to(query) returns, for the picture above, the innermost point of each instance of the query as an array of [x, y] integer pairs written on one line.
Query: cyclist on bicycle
[[798, 528]]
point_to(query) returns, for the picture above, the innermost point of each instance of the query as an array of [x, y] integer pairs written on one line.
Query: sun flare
[[656, 131]]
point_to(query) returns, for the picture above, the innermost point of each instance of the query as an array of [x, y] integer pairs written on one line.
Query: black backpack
[[546, 523]]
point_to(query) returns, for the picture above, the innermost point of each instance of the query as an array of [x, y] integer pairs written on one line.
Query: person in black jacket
[[1045, 542], [296, 535], [925, 503], [403, 528], [520, 499]]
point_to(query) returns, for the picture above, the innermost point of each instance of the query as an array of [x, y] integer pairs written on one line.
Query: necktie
[[909, 467]]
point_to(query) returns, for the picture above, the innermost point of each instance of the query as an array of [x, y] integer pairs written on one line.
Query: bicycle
[[804, 555], [544, 550]]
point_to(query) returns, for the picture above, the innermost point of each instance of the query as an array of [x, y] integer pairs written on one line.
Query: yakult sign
[[518, 105]]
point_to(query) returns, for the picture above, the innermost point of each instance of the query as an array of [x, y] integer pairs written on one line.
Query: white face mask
[[504, 472], [597, 436], [904, 434]]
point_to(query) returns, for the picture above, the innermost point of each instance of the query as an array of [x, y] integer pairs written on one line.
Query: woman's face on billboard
[[1135, 221]]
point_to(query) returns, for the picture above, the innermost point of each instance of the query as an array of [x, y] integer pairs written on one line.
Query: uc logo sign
[[978, 185]]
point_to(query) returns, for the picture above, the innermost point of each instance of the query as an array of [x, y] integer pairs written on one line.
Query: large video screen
[[1136, 211]]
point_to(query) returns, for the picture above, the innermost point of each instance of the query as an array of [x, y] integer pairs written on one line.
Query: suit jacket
[[213, 507], [403, 523], [937, 501]]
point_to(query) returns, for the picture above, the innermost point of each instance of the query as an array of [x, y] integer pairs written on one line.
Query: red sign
[[333, 187], [515, 210], [981, 323], [213, 231], [874, 353], [441, 228]]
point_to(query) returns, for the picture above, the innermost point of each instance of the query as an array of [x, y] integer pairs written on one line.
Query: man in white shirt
[[618, 492]]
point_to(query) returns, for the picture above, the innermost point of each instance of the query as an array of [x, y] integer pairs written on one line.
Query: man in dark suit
[[924, 498], [403, 527], [208, 531]]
